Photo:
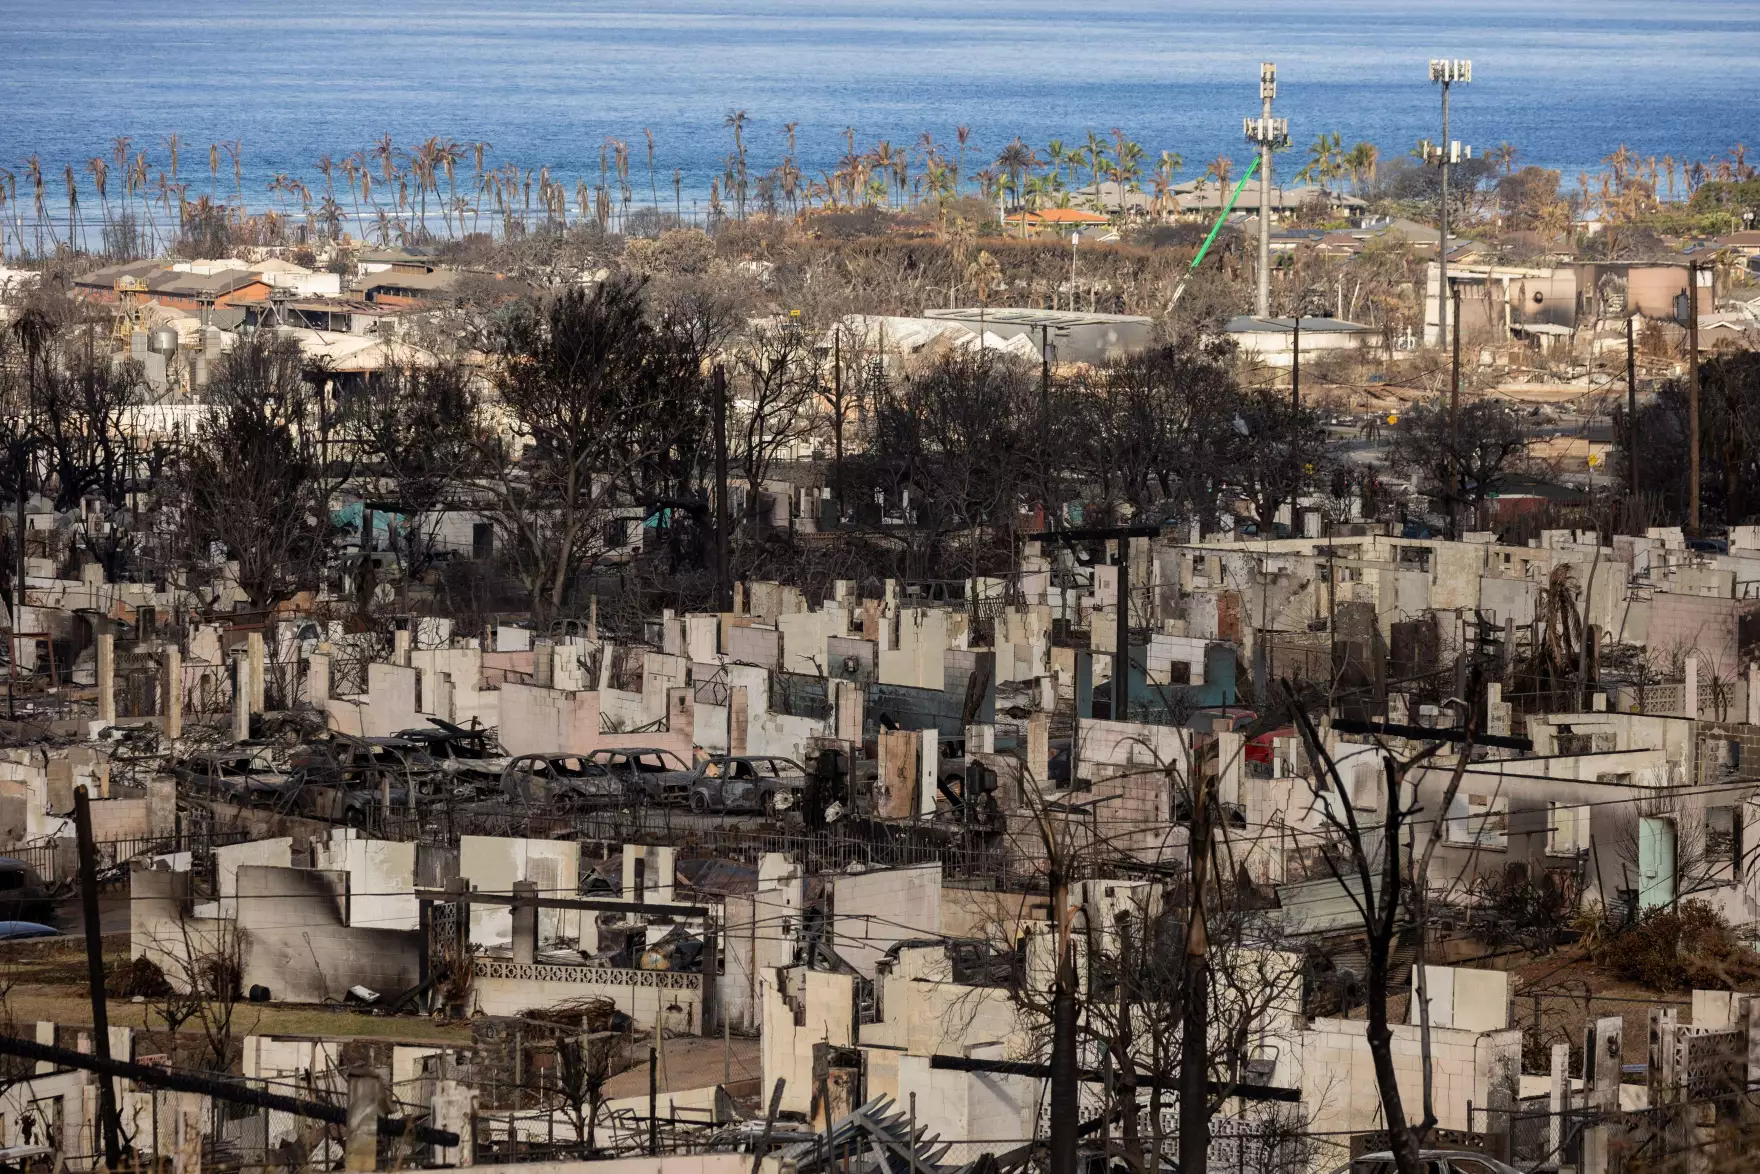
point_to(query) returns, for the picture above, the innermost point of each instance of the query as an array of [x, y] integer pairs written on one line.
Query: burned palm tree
[[99, 170], [653, 186], [236, 149], [1563, 658], [75, 230], [33, 168]]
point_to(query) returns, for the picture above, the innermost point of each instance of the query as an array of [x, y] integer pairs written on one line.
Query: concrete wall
[[1509, 599], [276, 853], [119, 819], [468, 699], [381, 879], [924, 1014], [493, 863], [1337, 1076], [806, 638], [69, 1096], [874, 910], [922, 645], [536, 720], [749, 644], [159, 926], [802, 1008], [392, 692], [1132, 744], [1696, 623], [1000, 1109], [1531, 797], [1463, 999], [759, 933], [298, 943], [297, 1061]]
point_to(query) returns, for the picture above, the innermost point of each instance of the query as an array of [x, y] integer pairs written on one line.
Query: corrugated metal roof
[[1323, 906]]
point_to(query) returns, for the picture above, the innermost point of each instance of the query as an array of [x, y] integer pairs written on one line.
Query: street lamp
[[1446, 72]]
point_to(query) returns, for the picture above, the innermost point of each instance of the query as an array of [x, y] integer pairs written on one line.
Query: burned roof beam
[[1428, 734]]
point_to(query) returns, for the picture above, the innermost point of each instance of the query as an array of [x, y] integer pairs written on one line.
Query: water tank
[[163, 341]]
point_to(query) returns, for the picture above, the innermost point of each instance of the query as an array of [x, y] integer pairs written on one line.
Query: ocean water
[[547, 81]]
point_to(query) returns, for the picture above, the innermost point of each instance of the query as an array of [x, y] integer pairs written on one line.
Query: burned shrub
[[1686, 947], [1531, 909], [137, 978]]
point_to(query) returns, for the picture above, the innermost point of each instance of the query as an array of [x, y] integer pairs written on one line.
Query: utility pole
[[1454, 421], [1044, 460], [1121, 663], [88, 884], [1446, 72], [1075, 238], [1693, 394], [1065, 1074], [22, 466], [1632, 403], [837, 407], [723, 563], [1268, 134], [1045, 377], [1194, 1051], [1295, 359], [653, 1103]]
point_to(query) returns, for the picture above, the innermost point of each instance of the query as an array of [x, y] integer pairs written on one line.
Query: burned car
[[244, 774], [647, 774], [747, 782], [350, 780], [24, 898], [472, 757], [560, 779]]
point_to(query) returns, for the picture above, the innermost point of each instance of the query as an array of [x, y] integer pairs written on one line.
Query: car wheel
[[699, 802]]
